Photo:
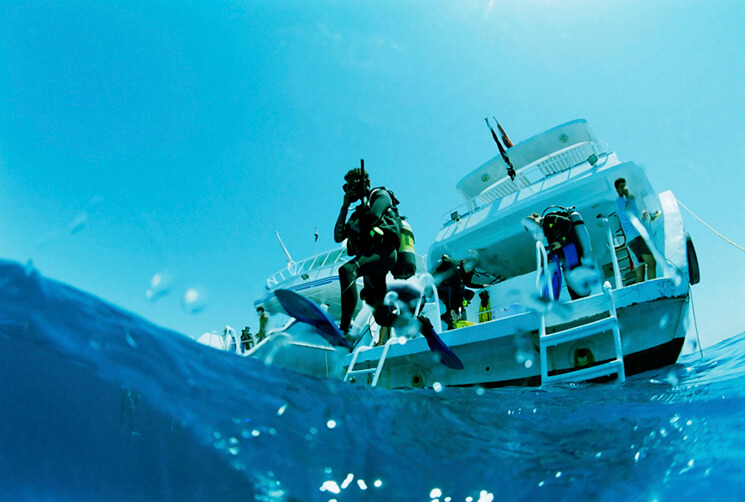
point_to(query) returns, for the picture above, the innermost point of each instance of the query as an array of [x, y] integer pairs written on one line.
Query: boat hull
[[506, 351], [652, 316]]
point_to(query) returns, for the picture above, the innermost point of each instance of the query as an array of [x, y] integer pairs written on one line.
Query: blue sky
[[177, 137]]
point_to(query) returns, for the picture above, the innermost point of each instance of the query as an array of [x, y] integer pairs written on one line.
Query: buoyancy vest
[[365, 229], [566, 227], [557, 226]]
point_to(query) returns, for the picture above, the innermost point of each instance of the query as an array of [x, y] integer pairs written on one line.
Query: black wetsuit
[[374, 256], [451, 288], [570, 254]]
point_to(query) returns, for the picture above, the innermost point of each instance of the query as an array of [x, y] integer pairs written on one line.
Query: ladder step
[[577, 332], [605, 369], [360, 372]]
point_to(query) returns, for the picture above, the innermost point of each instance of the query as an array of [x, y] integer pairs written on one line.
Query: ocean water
[[99, 404]]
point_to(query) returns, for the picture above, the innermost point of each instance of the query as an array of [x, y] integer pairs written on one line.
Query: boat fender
[[694, 274]]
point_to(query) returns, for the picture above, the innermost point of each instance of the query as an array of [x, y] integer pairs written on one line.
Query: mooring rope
[[710, 227]]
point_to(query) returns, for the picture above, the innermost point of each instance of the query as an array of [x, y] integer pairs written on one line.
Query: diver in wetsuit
[[373, 238], [453, 278], [569, 247]]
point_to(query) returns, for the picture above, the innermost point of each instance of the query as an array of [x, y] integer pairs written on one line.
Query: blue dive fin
[[306, 311], [436, 345]]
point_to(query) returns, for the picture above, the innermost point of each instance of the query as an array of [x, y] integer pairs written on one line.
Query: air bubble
[[194, 300], [160, 285], [130, 340]]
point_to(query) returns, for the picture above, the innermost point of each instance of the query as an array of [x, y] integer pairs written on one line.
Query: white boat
[[620, 329]]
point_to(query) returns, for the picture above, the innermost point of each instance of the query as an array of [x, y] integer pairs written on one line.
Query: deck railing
[[315, 262], [594, 153]]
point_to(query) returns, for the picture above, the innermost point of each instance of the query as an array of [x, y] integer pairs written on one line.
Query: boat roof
[[559, 147], [492, 227]]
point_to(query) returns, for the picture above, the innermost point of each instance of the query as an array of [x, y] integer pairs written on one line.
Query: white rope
[[710, 228]]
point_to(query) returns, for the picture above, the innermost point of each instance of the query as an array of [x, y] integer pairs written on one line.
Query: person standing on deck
[[263, 321], [373, 237], [626, 206]]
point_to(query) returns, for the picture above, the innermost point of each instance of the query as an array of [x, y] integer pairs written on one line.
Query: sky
[[173, 139]]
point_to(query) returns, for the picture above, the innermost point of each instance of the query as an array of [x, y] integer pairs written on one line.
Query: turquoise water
[[99, 404]]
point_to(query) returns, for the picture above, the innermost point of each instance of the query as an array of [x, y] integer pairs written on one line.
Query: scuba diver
[[373, 236], [453, 278], [568, 249]]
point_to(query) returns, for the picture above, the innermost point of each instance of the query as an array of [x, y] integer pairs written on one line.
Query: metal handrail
[[294, 268], [547, 166]]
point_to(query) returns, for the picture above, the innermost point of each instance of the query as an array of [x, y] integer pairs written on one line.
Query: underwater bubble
[[485, 496], [328, 470], [282, 409], [672, 379], [471, 261], [377, 483], [347, 481], [233, 450], [272, 431], [480, 391], [664, 320], [233, 440], [677, 277], [437, 387], [582, 279], [330, 486], [435, 493], [361, 483], [313, 431], [160, 285], [428, 285], [78, 223], [391, 297], [256, 433], [194, 300], [130, 340], [331, 424]]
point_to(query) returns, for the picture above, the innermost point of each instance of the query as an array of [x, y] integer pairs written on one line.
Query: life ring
[[694, 274]]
